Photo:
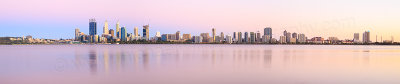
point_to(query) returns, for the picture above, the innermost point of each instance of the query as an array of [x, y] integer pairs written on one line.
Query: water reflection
[[93, 61], [232, 62]]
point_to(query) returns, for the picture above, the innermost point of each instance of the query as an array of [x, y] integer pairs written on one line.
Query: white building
[[266, 39], [197, 39], [282, 39], [228, 39]]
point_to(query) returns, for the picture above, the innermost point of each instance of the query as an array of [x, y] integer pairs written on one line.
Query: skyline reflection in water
[[199, 64]]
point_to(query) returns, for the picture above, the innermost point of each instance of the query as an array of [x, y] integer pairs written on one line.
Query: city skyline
[[193, 18]]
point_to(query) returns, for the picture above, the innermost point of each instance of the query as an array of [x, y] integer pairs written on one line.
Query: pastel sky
[[340, 18]]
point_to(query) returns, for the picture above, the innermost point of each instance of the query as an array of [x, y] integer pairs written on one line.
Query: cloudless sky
[[340, 18]]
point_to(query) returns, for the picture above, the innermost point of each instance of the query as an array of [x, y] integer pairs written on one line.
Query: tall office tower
[[302, 38], [123, 34], [234, 37], [246, 37], [356, 37], [92, 27], [77, 34], [213, 34], [284, 33], [252, 37], [105, 28], [239, 37], [258, 36], [205, 37], [282, 39], [111, 32], [366, 37], [222, 36], [146, 32], [118, 29], [135, 31], [294, 35], [228, 39], [288, 37], [178, 35], [268, 31]]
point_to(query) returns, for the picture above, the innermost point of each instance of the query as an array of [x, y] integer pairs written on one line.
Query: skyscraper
[[295, 36], [77, 34], [268, 31], [105, 28], [178, 34], [356, 37], [111, 31], [146, 32], [213, 34], [252, 37], [239, 37], [288, 37], [205, 37], [92, 27], [123, 34], [234, 37], [222, 36], [258, 36], [246, 37], [366, 37], [302, 38], [135, 31], [118, 29]]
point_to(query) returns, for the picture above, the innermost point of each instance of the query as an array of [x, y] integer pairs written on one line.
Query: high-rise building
[[205, 37], [198, 39], [356, 37], [92, 27], [282, 39], [239, 37], [111, 32], [186, 37], [234, 37], [146, 32], [266, 39], [213, 34], [123, 34], [288, 37], [105, 28], [118, 29], [268, 31], [222, 36], [77, 34], [258, 36], [228, 39], [284, 33], [135, 31], [294, 35], [366, 37], [252, 37], [178, 35], [246, 37], [302, 38]]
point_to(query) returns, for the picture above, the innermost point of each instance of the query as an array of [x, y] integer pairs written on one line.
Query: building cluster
[[121, 35], [110, 35], [30, 40]]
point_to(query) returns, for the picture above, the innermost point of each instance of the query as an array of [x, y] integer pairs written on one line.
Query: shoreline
[[207, 44]]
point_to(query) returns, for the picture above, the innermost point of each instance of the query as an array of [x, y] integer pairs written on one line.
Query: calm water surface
[[199, 64]]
